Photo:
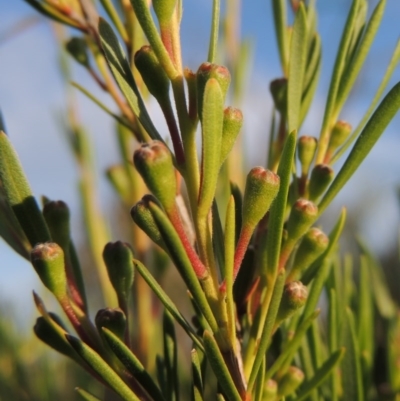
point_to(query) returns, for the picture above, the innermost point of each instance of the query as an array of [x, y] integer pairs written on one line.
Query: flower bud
[[77, 48], [118, 257], [262, 186], [340, 132], [204, 73], [153, 75], [142, 216], [302, 216], [164, 10], [233, 121], [321, 177], [270, 390], [306, 147], [52, 335], [290, 381], [294, 297], [57, 216], [154, 163], [311, 246], [48, 261], [113, 319], [278, 89]]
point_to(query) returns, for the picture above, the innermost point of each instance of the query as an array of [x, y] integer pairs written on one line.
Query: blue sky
[[32, 93]]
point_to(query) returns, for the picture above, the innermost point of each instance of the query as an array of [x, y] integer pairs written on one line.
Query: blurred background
[[32, 101]]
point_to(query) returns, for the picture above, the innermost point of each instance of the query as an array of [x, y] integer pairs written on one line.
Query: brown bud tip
[[262, 186], [48, 261]]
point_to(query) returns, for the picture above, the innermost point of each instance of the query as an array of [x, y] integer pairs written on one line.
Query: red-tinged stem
[[198, 267], [241, 248], [166, 37], [66, 305]]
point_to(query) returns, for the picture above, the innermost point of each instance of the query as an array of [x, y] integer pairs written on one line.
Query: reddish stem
[[241, 248], [197, 265]]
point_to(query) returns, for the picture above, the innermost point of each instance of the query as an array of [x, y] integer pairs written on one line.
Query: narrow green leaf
[[292, 346], [212, 47], [229, 246], [351, 368], [218, 238], [259, 384], [353, 68], [166, 301], [393, 353], [394, 61], [367, 139], [219, 367], [212, 123], [122, 72], [335, 80], [268, 327], [311, 79], [85, 395], [270, 256], [197, 379], [10, 229], [320, 375], [101, 367], [279, 10], [170, 357], [297, 64], [100, 104], [132, 363], [145, 19], [365, 316], [115, 18], [19, 196], [382, 297], [333, 334], [182, 262]]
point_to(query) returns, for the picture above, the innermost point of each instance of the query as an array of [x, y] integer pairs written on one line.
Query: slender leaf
[[382, 298], [268, 327], [367, 139], [122, 72], [351, 368], [278, 208], [145, 19], [170, 357], [85, 395], [320, 375], [335, 81], [292, 346], [17, 191], [219, 367], [212, 123], [297, 64], [279, 10], [353, 68], [132, 363], [197, 379], [166, 301], [388, 74], [101, 367], [212, 48]]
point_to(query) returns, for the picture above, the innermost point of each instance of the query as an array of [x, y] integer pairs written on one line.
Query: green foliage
[[254, 332]]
